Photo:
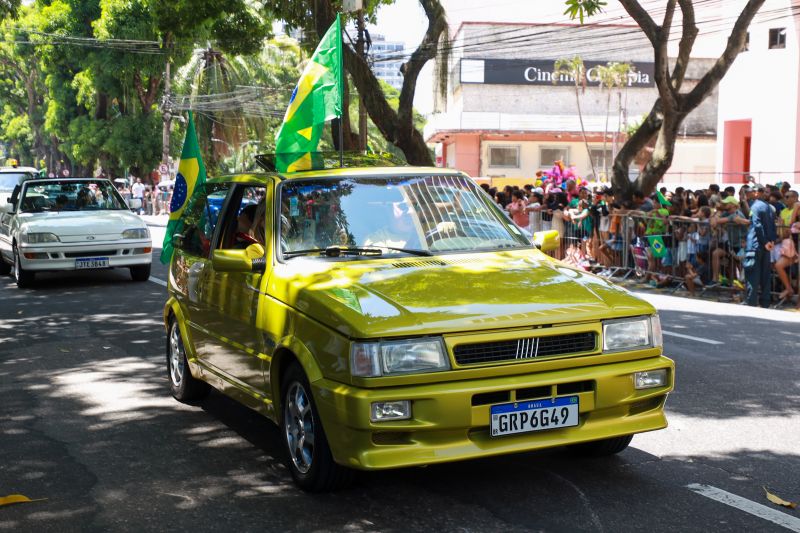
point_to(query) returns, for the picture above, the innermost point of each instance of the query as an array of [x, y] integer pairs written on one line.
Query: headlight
[[36, 238], [370, 359], [137, 233], [629, 334]]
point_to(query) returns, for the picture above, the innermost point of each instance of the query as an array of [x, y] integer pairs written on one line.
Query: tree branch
[[643, 19], [688, 35], [437, 24], [715, 74]]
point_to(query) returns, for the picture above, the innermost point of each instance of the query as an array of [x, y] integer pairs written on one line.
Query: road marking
[[698, 339], [743, 504], [158, 281]]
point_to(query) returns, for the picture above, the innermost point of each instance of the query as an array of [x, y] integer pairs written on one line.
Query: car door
[[230, 300], [190, 268], [6, 218]]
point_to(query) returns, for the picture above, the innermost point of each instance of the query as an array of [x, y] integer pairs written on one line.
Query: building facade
[[759, 130], [386, 58], [507, 115]]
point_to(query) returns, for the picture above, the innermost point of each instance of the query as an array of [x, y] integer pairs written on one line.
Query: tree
[[574, 69], [613, 75], [396, 125], [672, 105]]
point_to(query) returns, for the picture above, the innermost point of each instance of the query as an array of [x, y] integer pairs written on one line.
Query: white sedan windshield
[[70, 195], [431, 213]]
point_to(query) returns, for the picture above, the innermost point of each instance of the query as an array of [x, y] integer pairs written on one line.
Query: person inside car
[[244, 221]]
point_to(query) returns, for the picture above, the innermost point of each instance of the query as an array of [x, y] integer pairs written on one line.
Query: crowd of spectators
[[744, 240]]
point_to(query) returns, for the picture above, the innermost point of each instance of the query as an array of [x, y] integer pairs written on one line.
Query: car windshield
[[418, 213], [70, 195], [9, 180]]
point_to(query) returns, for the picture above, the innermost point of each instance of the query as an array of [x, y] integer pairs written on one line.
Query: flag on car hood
[[316, 99], [191, 175]]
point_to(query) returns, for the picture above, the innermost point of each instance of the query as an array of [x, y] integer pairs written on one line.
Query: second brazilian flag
[[316, 99]]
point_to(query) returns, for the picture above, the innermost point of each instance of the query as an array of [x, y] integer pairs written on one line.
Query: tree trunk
[[605, 133], [583, 131]]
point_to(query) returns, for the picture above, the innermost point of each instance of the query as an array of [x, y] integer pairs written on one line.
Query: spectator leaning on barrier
[[785, 253], [731, 226], [761, 237]]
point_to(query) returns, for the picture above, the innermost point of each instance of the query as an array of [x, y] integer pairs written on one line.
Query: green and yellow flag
[[316, 99], [657, 246], [191, 175]]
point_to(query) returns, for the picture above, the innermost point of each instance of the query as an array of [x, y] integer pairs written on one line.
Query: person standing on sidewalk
[[137, 191], [761, 237]]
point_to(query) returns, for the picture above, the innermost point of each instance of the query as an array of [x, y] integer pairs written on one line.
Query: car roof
[[70, 179], [17, 170], [338, 173]]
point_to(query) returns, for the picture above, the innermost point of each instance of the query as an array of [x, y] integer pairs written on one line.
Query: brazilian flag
[[657, 246], [191, 174], [316, 99]]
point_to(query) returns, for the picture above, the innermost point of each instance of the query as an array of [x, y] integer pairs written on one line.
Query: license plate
[[534, 415], [91, 262]]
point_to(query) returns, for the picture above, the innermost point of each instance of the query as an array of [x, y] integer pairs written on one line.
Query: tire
[[602, 448], [183, 386], [24, 277], [311, 464], [140, 272]]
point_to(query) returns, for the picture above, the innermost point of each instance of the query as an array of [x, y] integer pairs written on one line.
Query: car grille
[[528, 348], [93, 253]]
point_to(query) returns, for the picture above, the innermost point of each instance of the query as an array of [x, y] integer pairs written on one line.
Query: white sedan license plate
[[534, 415], [91, 262]]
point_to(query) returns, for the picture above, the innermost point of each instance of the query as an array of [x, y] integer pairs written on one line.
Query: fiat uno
[[392, 317]]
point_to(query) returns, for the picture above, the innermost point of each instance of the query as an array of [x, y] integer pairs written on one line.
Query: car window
[[9, 180], [70, 195], [245, 219], [434, 213], [200, 220]]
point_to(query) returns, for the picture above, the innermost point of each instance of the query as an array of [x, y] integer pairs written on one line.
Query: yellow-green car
[[390, 317]]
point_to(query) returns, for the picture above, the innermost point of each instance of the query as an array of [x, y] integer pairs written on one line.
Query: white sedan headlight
[[630, 334], [38, 238], [136, 233], [370, 359]]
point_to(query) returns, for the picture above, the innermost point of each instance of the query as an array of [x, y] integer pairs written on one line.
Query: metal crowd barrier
[[659, 250]]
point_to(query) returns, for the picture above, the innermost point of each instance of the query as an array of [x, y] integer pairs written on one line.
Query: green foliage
[[581, 9]]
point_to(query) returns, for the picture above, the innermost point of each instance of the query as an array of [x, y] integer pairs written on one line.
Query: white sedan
[[71, 224]]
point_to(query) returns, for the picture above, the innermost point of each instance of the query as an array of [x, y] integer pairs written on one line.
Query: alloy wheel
[[298, 421], [176, 356]]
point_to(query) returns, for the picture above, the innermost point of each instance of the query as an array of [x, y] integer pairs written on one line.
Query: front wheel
[[310, 460], [23, 277], [602, 448], [140, 272], [182, 384]]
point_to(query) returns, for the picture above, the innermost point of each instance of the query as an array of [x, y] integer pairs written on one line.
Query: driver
[[397, 231]]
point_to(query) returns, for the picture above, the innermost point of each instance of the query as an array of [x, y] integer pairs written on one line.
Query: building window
[[601, 163], [548, 156], [777, 38], [504, 157]]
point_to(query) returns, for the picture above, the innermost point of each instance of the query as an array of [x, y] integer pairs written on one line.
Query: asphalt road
[[87, 422]]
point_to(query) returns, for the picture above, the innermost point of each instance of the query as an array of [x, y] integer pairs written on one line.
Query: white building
[[504, 116], [759, 130], [386, 58]]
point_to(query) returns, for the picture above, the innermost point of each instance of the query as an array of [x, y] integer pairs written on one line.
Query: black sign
[[540, 72]]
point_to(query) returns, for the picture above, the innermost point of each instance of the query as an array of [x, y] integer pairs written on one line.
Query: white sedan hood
[[103, 225]]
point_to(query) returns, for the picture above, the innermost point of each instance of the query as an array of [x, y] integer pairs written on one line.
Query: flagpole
[[341, 93]]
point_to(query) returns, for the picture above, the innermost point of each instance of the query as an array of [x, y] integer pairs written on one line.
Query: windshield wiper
[[337, 251]]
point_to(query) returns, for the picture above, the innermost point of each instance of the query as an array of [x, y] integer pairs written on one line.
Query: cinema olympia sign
[[540, 72]]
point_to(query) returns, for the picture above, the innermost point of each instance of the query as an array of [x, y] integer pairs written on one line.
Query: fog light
[[34, 255], [397, 410], [650, 379]]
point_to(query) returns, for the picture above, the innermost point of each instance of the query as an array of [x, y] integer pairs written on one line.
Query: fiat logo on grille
[[90, 238]]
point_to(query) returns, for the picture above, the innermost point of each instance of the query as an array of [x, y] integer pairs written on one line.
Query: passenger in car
[[257, 230], [244, 222]]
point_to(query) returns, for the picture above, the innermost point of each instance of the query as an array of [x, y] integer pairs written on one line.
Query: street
[[87, 423]]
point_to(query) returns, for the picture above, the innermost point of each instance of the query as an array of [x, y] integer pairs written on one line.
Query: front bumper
[[447, 425], [62, 256]]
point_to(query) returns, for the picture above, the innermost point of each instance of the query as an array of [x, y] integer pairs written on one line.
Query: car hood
[[80, 222], [447, 294]]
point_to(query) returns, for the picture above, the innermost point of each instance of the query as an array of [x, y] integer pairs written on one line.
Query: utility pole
[[362, 110]]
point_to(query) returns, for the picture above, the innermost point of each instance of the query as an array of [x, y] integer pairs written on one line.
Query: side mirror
[[135, 203], [546, 240], [250, 259]]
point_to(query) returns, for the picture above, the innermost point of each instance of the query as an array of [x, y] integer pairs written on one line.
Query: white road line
[[698, 339], [743, 504], [158, 281]]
